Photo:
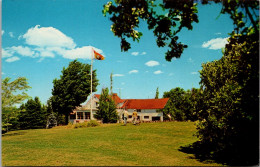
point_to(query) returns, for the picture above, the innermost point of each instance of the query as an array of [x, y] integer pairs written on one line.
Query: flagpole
[[91, 84]]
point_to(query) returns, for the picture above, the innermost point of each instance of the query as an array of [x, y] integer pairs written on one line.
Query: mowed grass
[[149, 144]]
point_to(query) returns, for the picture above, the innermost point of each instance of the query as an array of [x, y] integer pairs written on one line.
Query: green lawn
[[149, 144]]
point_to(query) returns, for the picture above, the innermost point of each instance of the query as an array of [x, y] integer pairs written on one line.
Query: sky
[[41, 37]]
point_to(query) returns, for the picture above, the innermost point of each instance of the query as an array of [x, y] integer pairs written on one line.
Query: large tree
[[72, 88], [107, 108], [13, 93], [229, 121]]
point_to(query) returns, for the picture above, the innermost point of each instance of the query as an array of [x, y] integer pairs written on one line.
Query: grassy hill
[[149, 144]]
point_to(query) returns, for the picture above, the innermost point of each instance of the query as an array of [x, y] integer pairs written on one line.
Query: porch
[[80, 116]]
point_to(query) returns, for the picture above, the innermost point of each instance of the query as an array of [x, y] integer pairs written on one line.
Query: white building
[[147, 109]]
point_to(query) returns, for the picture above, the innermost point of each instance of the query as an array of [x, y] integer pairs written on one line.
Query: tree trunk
[[66, 118]]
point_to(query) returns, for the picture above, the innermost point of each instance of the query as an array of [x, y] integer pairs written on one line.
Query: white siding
[[147, 112]]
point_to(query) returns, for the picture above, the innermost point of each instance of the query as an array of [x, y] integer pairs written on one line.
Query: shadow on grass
[[14, 133], [230, 156], [200, 152]]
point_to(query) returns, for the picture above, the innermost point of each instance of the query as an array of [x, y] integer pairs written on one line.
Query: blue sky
[[41, 37]]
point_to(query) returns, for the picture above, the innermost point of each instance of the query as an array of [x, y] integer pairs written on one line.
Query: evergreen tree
[[107, 108], [32, 115], [157, 93]]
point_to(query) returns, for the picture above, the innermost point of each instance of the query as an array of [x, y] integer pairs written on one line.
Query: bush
[[92, 123], [70, 125]]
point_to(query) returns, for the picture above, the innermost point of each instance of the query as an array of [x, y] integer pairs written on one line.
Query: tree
[[32, 115], [72, 88], [157, 93], [13, 93], [107, 108], [9, 89], [174, 105], [125, 15], [191, 103], [229, 122]]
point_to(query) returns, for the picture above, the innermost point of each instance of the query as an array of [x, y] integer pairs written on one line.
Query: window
[[80, 115], [146, 117], [138, 110], [87, 115], [156, 118]]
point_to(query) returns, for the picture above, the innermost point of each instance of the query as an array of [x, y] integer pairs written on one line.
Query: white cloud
[[158, 72], [143, 53], [218, 33], [48, 37], [49, 42], [24, 51], [11, 34], [7, 53], [194, 73], [84, 52], [3, 32], [152, 63], [215, 44], [133, 71], [135, 53], [118, 75], [12, 59]]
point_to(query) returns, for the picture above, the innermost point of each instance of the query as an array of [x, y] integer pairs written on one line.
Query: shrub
[[70, 125], [92, 123]]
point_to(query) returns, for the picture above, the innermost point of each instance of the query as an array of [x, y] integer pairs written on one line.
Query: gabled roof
[[114, 97], [145, 103]]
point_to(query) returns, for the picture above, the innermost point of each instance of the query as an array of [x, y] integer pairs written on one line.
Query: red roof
[[115, 98], [145, 103]]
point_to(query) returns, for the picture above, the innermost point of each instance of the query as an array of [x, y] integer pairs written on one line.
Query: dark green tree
[[157, 93], [229, 122], [174, 105], [72, 88], [192, 103], [32, 115], [107, 108]]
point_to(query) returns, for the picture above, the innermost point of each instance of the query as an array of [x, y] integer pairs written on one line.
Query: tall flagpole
[[91, 84]]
